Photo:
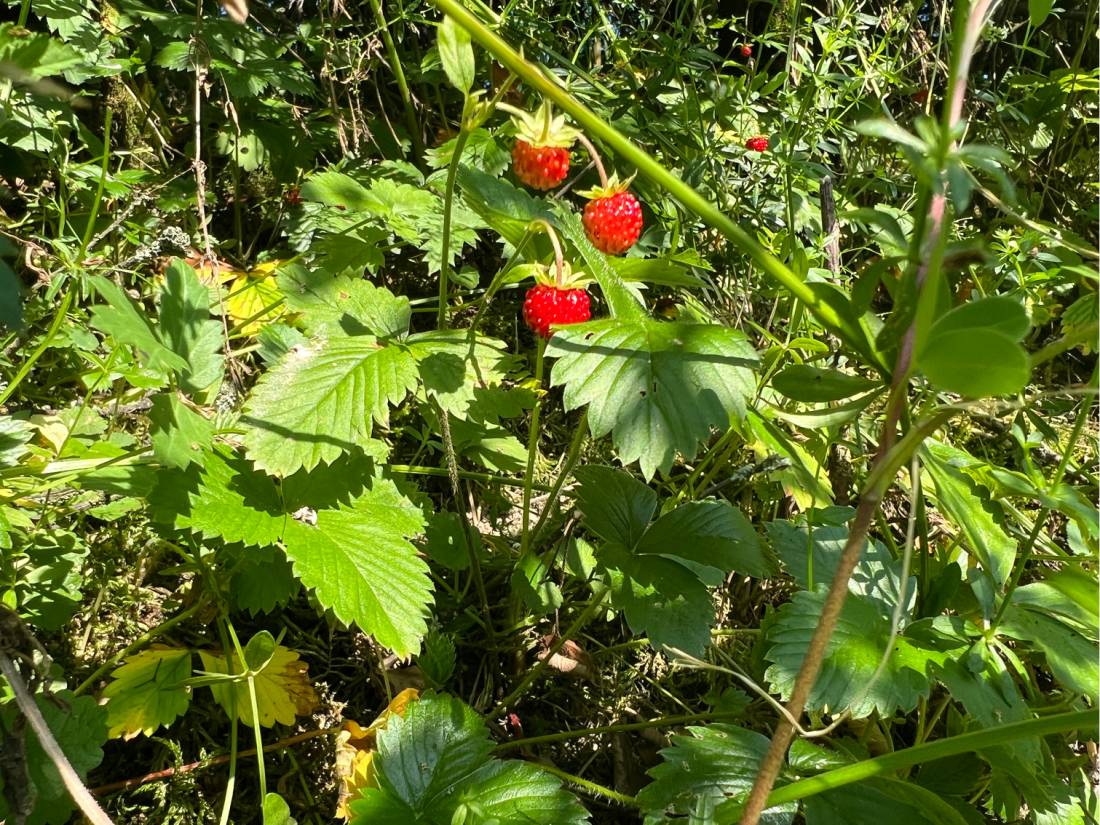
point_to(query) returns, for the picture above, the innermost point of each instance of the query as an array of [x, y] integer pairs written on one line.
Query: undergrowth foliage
[[784, 512]]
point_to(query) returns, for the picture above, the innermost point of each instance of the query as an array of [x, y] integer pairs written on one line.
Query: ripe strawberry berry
[[549, 303], [745, 50], [613, 218], [540, 157], [757, 144]]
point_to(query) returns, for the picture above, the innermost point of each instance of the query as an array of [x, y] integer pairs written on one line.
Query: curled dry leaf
[[572, 659]]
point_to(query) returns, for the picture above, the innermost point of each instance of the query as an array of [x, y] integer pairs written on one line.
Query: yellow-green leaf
[[146, 691]]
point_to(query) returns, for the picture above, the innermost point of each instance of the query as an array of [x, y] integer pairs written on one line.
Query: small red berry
[[745, 50], [757, 144], [293, 196], [547, 305], [540, 167], [613, 223]]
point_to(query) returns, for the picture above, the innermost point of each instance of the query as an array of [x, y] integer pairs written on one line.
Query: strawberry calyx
[[613, 187], [569, 279], [542, 127]]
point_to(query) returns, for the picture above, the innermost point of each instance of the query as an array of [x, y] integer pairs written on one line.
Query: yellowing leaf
[[254, 302], [355, 751], [146, 692], [283, 691]]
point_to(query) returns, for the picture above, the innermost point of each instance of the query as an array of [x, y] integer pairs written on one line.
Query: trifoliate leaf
[[701, 770], [178, 433], [78, 724], [187, 328], [321, 400], [659, 388], [857, 646], [977, 518], [130, 327], [146, 691], [283, 690], [359, 561], [433, 765], [659, 571]]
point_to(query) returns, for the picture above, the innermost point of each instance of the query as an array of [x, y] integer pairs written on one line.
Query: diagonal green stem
[[827, 315]]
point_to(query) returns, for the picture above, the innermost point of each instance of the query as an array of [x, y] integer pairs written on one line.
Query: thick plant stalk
[[930, 246], [69, 778]]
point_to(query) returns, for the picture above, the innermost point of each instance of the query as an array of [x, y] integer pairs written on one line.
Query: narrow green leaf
[[1038, 11], [456, 54], [802, 382]]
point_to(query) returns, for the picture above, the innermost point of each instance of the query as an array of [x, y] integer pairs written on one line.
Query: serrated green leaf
[[433, 765], [857, 646], [187, 327], [146, 691], [483, 152], [321, 400], [360, 563], [340, 304], [977, 518], [659, 388], [50, 574], [1072, 658], [506, 209], [437, 658], [802, 382], [262, 580], [128, 326], [456, 54], [701, 770], [179, 434], [615, 505], [464, 380]]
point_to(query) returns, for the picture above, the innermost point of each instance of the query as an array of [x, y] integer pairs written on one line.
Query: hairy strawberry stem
[[559, 258], [595, 159]]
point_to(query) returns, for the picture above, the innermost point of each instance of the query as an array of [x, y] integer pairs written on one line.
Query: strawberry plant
[[369, 453]]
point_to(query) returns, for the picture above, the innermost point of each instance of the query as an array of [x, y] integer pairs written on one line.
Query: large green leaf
[[853, 654], [701, 770], [978, 518], [362, 566], [975, 362], [331, 304], [433, 766], [345, 533], [659, 388], [321, 400], [187, 328]]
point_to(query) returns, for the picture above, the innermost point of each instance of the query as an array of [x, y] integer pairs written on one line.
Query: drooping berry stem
[[595, 158], [559, 258]]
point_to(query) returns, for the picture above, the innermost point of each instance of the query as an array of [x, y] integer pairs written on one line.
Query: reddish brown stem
[[168, 773], [595, 159]]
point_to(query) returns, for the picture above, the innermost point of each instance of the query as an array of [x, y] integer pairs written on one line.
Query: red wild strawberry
[[745, 50], [552, 303], [613, 217], [293, 196], [757, 144], [540, 157]]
